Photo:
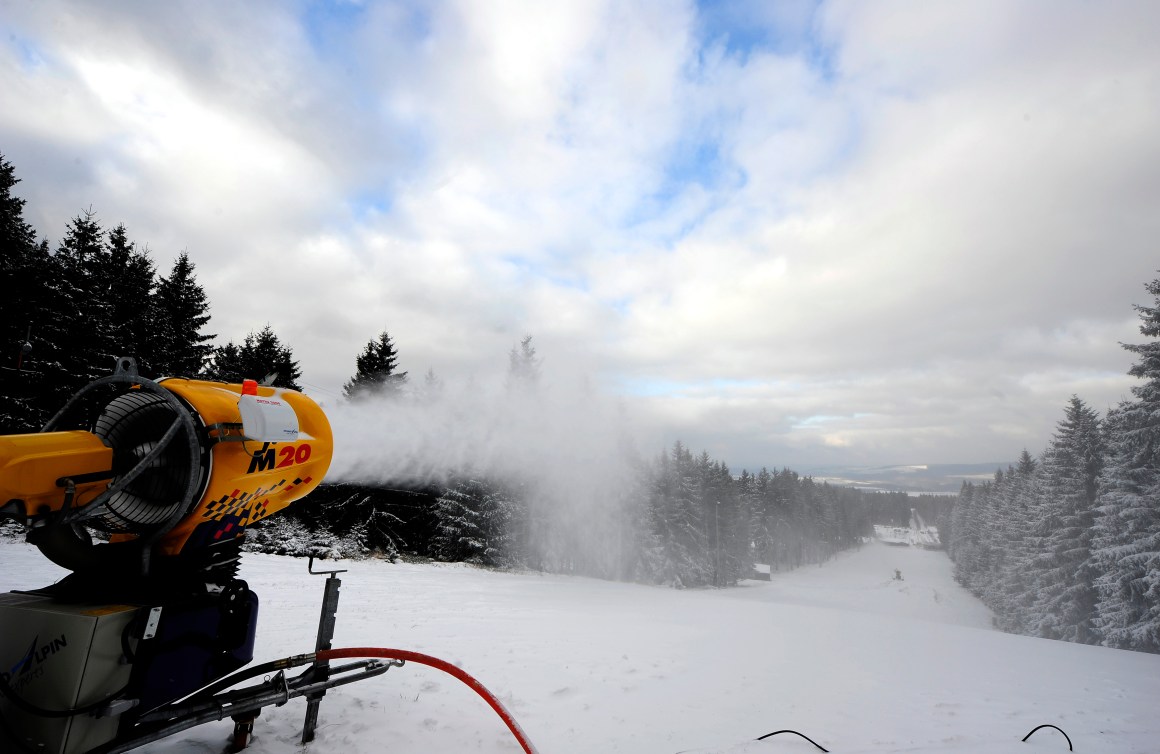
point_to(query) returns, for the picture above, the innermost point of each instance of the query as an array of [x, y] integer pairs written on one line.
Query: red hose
[[446, 667]]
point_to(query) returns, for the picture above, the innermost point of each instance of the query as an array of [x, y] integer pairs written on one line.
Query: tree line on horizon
[[1067, 546]]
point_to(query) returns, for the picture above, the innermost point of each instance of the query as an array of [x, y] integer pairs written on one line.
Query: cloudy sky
[[789, 233]]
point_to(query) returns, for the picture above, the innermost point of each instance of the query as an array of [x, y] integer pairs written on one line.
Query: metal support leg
[[320, 671]]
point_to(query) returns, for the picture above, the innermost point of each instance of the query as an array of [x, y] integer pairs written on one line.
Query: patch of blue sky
[[548, 271], [327, 24], [646, 387], [782, 27], [743, 28], [818, 420], [694, 163], [370, 202], [815, 421], [622, 306], [822, 56], [330, 23], [699, 161], [29, 53]]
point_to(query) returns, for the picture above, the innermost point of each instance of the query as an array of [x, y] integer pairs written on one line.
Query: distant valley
[[936, 479]]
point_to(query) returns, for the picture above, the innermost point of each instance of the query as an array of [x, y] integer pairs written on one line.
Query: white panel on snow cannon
[[266, 419]]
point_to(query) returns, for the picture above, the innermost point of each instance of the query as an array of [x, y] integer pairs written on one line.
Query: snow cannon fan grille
[[132, 425]]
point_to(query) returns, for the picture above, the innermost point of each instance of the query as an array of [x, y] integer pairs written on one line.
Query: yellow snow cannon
[[173, 471], [169, 474]]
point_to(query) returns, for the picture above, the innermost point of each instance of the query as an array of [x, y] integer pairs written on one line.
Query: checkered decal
[[247, 507]]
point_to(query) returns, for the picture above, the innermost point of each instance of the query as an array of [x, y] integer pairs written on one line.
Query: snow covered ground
[[845, 653]]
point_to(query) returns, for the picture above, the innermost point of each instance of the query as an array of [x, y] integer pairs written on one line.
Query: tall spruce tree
[[1126, 542], [967, 548], [26, 269], [1062, 574], [1015, 590], [717, 497], [261, 355], [376, 375], [432, 388], [524, 366], [784, 492], [18, 261], [677, 518], [127, 277], [182, 348], [475, 523], [82, 329]]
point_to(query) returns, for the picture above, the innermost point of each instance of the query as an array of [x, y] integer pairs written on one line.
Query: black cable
[[126, 373], [247, 673], [27, 706], [1049, 725], [777, 732]]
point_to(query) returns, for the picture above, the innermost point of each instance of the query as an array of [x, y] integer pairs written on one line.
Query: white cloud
[[928, 222]]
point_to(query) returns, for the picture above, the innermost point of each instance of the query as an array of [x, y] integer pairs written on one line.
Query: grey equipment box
[[60, 656]]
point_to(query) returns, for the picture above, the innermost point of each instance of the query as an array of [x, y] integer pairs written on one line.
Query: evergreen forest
[[1067, 545]]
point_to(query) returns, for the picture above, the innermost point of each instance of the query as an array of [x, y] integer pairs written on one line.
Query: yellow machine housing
[[31, 465], [248, 480], [129, 478]]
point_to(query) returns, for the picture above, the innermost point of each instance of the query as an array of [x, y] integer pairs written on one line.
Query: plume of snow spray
[[567, 450]]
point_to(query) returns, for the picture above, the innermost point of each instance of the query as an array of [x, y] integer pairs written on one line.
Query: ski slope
[[844, 653]]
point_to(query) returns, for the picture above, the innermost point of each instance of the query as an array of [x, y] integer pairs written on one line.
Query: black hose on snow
[[778, 732], [1049, 725]]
